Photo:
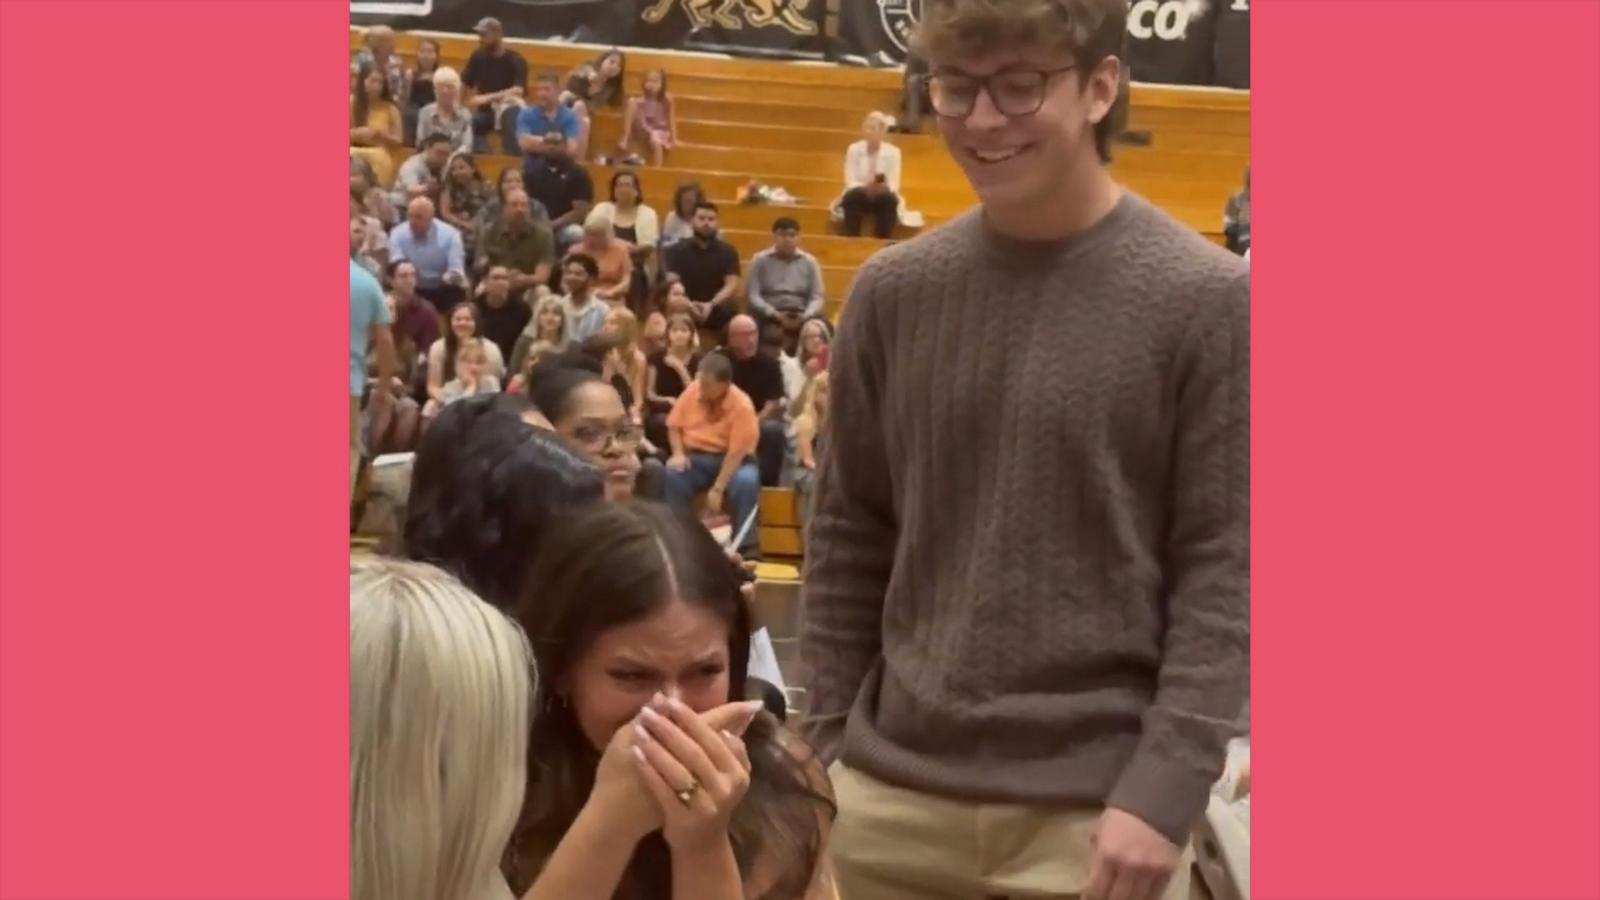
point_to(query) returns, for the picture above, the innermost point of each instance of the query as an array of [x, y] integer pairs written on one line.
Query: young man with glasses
[[1027, 579]]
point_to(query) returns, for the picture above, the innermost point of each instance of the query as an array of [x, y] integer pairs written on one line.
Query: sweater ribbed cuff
[[825, 734], [1165, 795]]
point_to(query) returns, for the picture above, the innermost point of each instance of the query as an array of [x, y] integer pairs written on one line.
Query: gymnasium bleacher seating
[[787, 124]]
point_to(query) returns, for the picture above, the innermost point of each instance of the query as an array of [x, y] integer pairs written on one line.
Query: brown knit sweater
[[1027, 578]]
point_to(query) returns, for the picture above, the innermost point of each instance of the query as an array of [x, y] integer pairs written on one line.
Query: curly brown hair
[[1088, 30]]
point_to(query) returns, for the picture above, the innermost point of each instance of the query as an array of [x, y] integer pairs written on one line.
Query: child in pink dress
[[650, 120]]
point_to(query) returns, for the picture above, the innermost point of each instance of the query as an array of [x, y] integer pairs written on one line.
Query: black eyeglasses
[[594, 438], [1014, 92]]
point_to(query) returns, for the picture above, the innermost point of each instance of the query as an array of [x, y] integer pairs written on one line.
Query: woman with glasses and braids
[[588, 411]]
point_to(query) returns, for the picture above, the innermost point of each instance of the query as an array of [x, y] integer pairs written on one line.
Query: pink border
[[173, 650], [172, 653], [1427, 676]]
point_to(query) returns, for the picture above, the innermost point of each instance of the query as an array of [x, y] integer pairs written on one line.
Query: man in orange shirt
[[713, 430]]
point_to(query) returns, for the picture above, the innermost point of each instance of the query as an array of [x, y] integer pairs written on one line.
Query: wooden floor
[[787, 124]]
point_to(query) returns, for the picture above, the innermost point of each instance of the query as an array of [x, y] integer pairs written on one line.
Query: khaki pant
[[889, 843]]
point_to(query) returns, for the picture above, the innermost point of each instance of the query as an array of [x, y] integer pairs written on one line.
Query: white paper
[[764, 660]]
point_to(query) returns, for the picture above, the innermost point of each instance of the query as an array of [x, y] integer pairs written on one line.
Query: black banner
[[784, 28], [739, 27], [877, 31], [1169, 41], [1232, 59]]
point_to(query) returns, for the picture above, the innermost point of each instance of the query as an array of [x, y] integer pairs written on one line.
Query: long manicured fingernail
[[659, 700], [642, 732], [639, 755], [649, 715]]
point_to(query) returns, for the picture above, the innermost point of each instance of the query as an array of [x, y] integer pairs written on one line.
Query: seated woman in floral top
[[464, 195]]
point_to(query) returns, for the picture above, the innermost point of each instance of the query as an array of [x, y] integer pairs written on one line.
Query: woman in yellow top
[[374, 123]]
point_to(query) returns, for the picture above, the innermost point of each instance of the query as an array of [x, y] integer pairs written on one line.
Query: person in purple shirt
[[436, 249], [415, 322]]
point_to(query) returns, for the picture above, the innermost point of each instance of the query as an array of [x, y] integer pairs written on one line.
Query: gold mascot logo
[[787, 14]]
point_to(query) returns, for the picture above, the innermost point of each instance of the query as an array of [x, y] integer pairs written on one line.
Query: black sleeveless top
[[668, 384], [421, 91]]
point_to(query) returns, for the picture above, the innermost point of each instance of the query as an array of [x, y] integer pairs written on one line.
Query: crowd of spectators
[[496, 286]]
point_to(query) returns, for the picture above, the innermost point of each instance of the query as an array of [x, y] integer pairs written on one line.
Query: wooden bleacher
[[788, 124]]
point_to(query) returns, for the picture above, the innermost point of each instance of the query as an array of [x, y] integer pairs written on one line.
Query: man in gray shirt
[[785, 282]]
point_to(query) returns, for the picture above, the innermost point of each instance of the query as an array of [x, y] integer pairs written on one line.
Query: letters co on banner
[[1169, 41]]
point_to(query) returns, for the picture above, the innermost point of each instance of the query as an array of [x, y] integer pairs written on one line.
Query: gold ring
[[687, 794]]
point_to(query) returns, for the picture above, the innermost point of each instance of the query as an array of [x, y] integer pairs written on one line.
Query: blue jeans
[[741, 496]]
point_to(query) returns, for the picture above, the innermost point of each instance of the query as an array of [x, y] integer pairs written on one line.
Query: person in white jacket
[[635, 224], [871, 181]]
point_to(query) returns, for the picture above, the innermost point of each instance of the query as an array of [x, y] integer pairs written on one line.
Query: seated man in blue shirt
[[547, 132], [435, 248], [545, 115]]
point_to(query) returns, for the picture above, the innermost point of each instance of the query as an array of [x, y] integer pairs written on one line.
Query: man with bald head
[[435, 248], [760, 377], [521, 243]]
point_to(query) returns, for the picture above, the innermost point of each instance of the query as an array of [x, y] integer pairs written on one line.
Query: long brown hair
[[452, 344], [359, 103], [609, 566]]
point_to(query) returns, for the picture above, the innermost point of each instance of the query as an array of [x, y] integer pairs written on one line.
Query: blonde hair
[[810, 419], [441, 699], [882, 120], [446, 75], [819, 325], [1085, 31], [473, 347], [550, 302], [629, 332]]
